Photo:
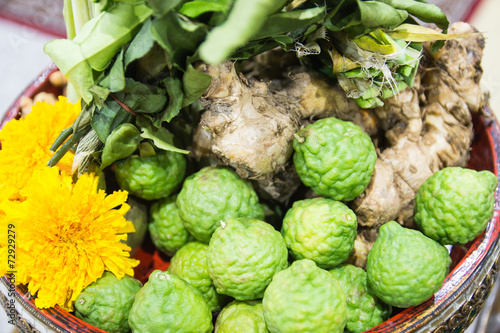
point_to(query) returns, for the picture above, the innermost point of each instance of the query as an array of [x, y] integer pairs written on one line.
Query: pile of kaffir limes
[[241, 265]]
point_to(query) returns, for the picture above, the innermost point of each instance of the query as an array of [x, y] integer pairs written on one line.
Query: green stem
[[66, 147], [61, 138], [76, 14], [81, 14], [69, 20]]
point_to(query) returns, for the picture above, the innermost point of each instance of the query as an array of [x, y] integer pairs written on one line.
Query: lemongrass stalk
[[81, 13], [76, 14], [69, 20]]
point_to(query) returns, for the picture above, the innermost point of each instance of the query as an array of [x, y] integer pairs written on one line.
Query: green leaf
[[426, 12], [256, 47], [244, 20], [194, 84], [105, 34], [121, 143], [117, 74], [161, 7], [178, 36], [160, 136], [175, 94], [95, 45], [106, 119], [282, 23], [417, 33], [68, 58], [100, 94], [154, 63], [286, 42], [194, 9], [131, 2], [142, 43], [142, 98], [357, 17]]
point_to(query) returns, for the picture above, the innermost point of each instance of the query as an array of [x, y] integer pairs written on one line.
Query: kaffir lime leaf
[[364, 309], [304, 298], [106, 303], [166, 228], [243, 256], [335, 158], [455, 204], [151, 177], [212, 195], [237, 316], [404, 267], [190, 263], [320, 229], [168, 304]]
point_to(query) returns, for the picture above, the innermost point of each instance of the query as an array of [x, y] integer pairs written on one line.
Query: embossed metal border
[[465, 315]]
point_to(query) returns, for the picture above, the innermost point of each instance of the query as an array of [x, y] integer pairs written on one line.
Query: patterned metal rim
[[457, 303]]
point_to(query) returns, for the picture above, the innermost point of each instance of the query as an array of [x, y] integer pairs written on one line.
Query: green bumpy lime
[[320, 229], [304, 298], [138, 215], [152, 177], [190, 263], [168, 304], [335, 158], [404, 267], [243, 256], [364, 309], [212, 195], [454, 205], [106, 303], [166, 227], [237, 316]]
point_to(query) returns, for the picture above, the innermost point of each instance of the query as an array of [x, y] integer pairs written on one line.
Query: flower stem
[[66, 147], [61, 138]]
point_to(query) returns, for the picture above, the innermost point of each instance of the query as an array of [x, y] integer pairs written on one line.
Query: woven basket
[[451, 309]]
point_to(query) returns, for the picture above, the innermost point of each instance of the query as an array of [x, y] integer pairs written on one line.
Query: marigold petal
[[70, 234], [40, 128], [129, 228]]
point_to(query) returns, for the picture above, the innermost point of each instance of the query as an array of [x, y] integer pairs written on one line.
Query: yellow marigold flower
[[26, 142], [67, 235]]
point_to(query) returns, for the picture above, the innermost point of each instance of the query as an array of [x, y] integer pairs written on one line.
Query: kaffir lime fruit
[[243, 256], [168, 304], [166, 228], [190, 263], [304, 298], [238, 316], [138, 215], [212, 195], [335, 158], [404, 267], [320, 229], [152, 177], [455, 204], [106, 303], [364, 309]]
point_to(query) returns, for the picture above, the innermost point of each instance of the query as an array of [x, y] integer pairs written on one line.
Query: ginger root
[[427, 128]]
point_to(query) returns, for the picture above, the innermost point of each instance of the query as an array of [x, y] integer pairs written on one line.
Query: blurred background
[[26, 25]]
